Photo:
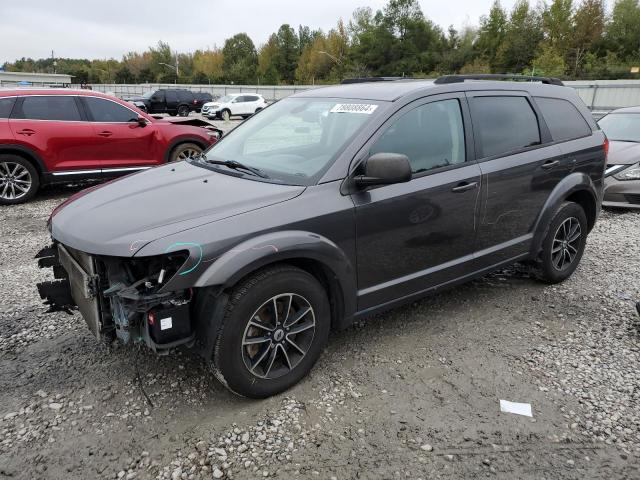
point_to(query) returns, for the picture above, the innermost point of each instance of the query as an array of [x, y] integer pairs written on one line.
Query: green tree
[[286, 57], [623, 30], [491, 34], [587, 36], [548, 62], [267, 71], [557, 24], [521, 40], [240, 59]]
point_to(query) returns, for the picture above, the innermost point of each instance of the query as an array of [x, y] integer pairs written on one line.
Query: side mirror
[[385, 169], [141, 121]]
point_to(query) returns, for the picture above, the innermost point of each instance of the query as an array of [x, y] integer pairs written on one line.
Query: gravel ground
[[412, 393]]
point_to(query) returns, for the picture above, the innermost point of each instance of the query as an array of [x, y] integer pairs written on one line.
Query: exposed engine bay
[[121, 298]]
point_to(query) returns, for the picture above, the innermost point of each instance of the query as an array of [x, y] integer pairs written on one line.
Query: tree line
[[564, 38]]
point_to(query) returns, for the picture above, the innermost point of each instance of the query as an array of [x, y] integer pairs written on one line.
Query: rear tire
[[258, 361], [19, 180], [563, 245], [184, 151]]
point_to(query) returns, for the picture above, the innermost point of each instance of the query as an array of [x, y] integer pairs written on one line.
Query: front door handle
[[27, 131], [550, 164], [105, 134], [463, 187]]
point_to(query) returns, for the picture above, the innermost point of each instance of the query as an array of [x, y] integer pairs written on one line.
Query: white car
[[242, 104]]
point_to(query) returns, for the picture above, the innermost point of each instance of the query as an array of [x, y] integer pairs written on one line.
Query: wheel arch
[[310, 252], [577, 188], [27, 154]]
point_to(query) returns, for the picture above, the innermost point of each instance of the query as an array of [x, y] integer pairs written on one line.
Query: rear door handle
[[550, 164], [463, 187], [27, 131], [105, 134]]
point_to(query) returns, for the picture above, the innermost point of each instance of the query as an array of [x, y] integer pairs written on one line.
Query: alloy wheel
[[278, 336], [15, 180], [226, 115], [566, 243], [187, 153]]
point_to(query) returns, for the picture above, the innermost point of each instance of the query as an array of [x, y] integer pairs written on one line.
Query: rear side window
[[171, 96], [251, 98], [504, 124], [49, 107], [563, 119], [6, 104], [102, 110], [431, 135], [185, 96]]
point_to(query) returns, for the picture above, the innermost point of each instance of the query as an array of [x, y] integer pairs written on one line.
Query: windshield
[[296, 139], [226, 99], [622, 127], [147, 94]]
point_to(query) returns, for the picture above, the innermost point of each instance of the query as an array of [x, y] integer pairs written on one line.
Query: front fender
[[250, 255], [569, 185]]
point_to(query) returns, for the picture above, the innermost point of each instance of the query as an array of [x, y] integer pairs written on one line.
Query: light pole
[[173, 67], [335, 59]]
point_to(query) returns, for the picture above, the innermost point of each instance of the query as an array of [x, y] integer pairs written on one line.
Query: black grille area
[[633, 198]]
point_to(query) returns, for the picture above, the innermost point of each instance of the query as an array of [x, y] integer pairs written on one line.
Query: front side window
[[102, 110], [563, 119], [621, 127], [295, 140], [431, 135], [49, 107], [504, 124], [6, 105]]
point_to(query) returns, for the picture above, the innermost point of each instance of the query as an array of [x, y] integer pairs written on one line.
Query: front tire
[[563, 245], [276, 324], [183, 111], [184, 151], [225, 115], [19, 180]]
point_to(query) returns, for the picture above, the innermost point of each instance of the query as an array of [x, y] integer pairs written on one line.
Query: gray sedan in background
[[622, 178]]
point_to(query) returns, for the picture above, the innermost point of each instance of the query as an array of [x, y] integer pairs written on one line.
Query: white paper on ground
[[517, 408]]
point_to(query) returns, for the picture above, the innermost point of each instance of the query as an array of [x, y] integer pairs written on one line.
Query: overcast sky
[[110, 28]]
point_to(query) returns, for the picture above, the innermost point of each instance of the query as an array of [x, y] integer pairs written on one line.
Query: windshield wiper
[[235, 165]]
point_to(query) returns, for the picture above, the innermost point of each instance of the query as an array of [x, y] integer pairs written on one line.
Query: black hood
[[623, 153], [120, 217]]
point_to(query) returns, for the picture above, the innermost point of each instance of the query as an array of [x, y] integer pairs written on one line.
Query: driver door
[[417, 235], [120, 141]]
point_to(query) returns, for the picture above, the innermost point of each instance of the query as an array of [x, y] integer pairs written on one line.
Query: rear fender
[[573, 183]]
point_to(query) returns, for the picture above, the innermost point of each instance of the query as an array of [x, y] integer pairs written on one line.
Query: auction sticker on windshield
[[354, 108]]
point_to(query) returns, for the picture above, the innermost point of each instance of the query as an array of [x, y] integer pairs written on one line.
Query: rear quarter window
[[6, 105], [504, 124], [563, 119]]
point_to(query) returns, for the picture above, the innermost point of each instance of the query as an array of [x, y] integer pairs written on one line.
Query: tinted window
[[185, 96], [49, 108], [107, 111], [171, 96], [6, 104], [504, 124], [563, 119], [251, 98], [431, 135]]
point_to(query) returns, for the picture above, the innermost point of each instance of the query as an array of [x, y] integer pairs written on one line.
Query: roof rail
[[496, 76], [372, 79]]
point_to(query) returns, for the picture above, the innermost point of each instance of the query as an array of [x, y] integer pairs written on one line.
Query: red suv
[[58, 136]]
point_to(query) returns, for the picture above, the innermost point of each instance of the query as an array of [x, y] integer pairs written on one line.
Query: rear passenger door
[[520, 167], [416, 235], [54, 126]]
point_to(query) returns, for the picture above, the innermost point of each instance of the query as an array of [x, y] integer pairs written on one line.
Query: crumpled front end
[[121, 298]]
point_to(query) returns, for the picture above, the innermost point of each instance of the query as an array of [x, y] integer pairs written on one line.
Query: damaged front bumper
[[121, 298]]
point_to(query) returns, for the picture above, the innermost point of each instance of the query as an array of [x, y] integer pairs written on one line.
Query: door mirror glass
[[385, 169]]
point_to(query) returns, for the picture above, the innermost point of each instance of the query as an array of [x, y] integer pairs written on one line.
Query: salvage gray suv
[[325, 207]]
